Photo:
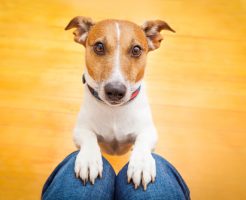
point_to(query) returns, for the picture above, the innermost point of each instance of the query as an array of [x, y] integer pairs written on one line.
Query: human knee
[[168, 184]]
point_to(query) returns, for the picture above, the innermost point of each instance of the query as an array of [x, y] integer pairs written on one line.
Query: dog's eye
[[136, 51], [99, 48]]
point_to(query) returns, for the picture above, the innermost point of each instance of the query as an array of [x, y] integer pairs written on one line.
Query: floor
[[196, 84]]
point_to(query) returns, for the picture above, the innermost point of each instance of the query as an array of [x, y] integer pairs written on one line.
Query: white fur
[[115, 127], [116, 124], [150, 44], [116, 74], [91, 81], [83, 37]]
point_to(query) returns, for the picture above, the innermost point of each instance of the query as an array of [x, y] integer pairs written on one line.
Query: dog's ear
[[152, 31], [82, 25]]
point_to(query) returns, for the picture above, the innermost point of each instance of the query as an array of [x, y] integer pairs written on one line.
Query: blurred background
[[196, 84]]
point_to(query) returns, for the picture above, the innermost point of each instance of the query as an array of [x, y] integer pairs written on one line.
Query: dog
[[115, 115]]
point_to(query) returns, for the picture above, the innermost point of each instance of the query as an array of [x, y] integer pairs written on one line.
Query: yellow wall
[[196, 84]]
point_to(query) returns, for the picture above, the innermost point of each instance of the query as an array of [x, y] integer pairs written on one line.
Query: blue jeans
[[62, 184]]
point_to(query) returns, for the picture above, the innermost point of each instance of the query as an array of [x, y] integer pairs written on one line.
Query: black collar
[[95, 93]]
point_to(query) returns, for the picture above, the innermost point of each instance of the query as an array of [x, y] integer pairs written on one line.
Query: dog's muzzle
[[114, 92]]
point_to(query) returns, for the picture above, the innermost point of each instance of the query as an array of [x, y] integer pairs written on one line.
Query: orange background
[[196, 84]]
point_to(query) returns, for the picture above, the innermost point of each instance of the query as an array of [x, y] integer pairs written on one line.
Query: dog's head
[[116, 53]]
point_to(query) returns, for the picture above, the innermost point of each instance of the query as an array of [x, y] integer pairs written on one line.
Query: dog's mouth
[[114, 103]]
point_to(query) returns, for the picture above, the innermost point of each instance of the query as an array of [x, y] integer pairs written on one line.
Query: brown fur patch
[[82, 25], [132, 67], [100, 67], [152, 31]]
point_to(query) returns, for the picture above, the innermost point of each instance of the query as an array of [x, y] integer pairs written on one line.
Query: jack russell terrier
[[115, 113]]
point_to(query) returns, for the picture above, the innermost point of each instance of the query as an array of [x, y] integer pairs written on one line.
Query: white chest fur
[[115, 127]]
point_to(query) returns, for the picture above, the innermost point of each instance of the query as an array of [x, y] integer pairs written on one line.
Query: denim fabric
[[62, 184], [168, 184]]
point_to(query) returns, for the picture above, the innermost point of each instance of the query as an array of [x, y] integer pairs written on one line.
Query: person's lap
[[62, 184]]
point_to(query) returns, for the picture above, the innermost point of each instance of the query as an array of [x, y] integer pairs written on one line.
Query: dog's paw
[[141, 169], [88, 165]]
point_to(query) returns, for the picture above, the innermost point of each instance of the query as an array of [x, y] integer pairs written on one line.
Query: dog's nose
[[115, 91]]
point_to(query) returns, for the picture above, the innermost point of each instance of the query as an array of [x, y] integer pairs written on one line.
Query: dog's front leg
[[88, 164], [142, 166]]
